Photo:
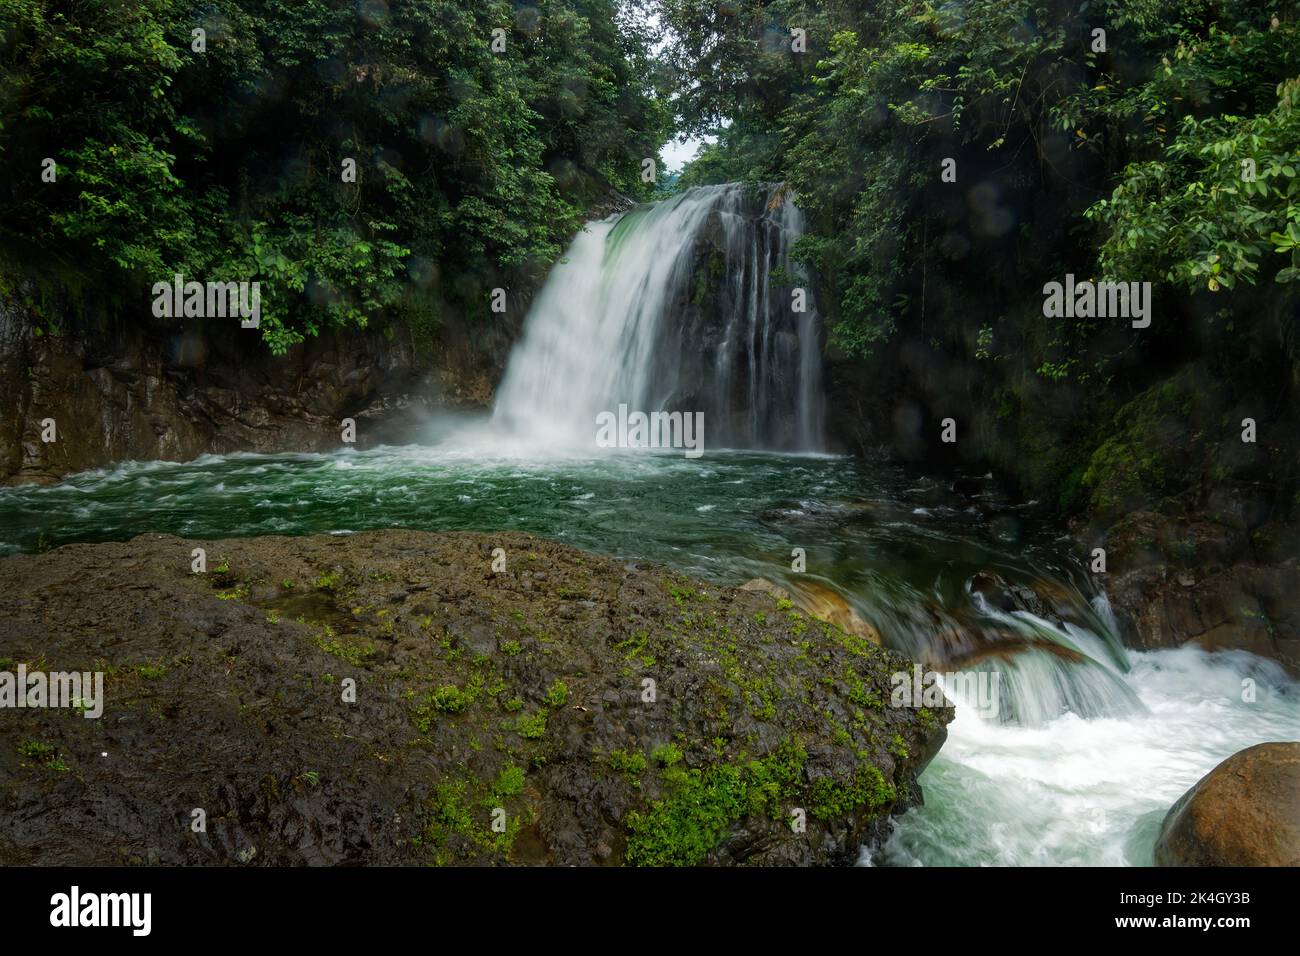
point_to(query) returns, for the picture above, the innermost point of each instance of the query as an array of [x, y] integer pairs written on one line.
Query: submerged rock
[[821, 602], [1004, 596], [826, 604], [387, 698], [1244, 812]]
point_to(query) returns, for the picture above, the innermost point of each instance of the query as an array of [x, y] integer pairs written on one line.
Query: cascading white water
[[1074, 791], [684, 305]]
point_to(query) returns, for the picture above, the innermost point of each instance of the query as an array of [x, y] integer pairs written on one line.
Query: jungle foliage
[[1169, 152], [473, 166], [1127, 162]]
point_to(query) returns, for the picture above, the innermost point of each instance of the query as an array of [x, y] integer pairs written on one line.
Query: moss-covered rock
[[390, 698]]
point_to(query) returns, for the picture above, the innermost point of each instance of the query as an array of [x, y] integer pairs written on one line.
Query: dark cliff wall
[[121, 389]]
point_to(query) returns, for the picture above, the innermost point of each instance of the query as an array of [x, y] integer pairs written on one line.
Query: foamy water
[[1092, 792]]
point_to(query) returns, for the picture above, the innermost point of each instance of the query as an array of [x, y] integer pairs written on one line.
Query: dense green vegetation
[[1124, 159], [473, 166]]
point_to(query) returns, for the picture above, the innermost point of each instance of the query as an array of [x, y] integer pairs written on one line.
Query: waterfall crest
[[687, 305]]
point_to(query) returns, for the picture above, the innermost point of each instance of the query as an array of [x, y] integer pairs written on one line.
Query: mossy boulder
[[405, 697]]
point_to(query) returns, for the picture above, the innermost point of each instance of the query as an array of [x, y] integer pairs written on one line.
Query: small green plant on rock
[[630, 764], [557, 695], [329, 581], [450, 699], [43, 753], [531, 727], [666, 755]]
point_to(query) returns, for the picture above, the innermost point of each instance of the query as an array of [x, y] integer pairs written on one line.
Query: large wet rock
[[599, 712], [1175, 581], [1244, 812]]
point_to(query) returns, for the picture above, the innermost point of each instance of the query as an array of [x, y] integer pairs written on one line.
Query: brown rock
[[821, 602], [1239, 607], [1244, 812], [122, 390], [764, 586], [828, 605]]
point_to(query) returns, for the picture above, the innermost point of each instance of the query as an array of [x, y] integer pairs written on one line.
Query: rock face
[[1244, 812], [385, 698], [1176, 581], [173, 390]]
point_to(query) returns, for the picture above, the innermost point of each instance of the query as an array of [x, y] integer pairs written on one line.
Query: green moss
[[682, 594], [666, 755], [151, 671], [449, 699], [455, 817], [345, 649], [557, 695], [329, 581], [510, 783], [682, 829], [629, 763], [36, 750], [531, 727], [868, 788], [703, 804], [44, 754], [1145, 454]]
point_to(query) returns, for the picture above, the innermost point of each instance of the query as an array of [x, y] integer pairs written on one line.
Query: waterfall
[[687, 305]]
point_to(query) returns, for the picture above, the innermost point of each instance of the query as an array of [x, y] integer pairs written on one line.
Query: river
[[1089, 752]]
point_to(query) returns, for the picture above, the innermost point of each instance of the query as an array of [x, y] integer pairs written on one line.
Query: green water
[[899, 546]]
